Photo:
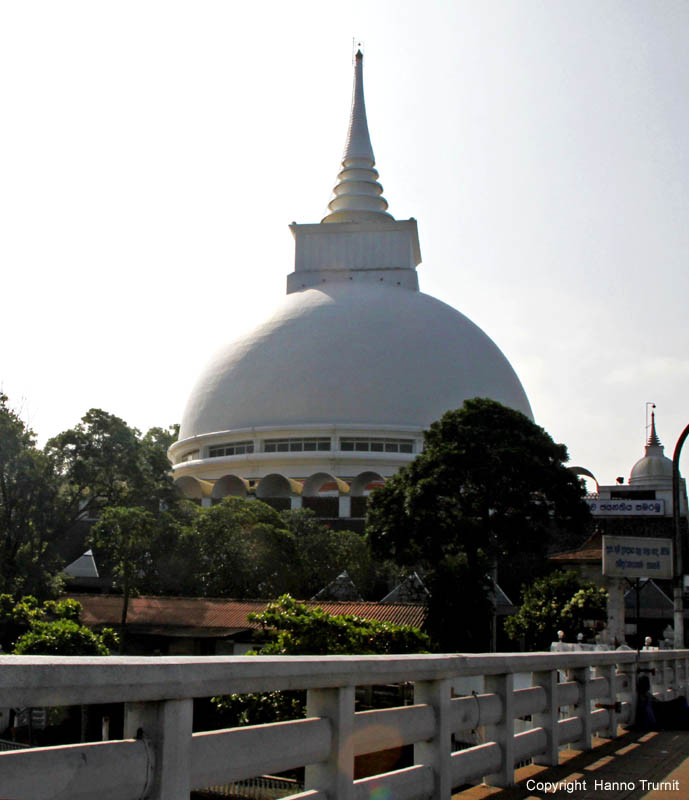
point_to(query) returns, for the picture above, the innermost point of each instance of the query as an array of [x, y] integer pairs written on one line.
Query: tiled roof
[[590, 551], [223, 616]]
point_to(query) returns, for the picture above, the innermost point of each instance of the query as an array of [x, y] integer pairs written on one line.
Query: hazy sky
[[153, 154]]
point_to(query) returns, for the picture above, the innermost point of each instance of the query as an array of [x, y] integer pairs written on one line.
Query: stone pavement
[[635, 766]]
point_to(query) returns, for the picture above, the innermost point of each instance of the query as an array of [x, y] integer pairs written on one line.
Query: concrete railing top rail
[[72, 680], [570, 697]]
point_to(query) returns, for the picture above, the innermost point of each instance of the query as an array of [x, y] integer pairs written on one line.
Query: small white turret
[[654, 470]]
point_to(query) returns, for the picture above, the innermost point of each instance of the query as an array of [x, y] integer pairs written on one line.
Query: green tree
[[126, 538], [104, 462], [30, 510], [487, 491], [239, 548], [559, 601], [322, 554]]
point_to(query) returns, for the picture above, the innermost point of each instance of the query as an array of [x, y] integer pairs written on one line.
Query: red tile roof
[[590, 551], [220, 616]]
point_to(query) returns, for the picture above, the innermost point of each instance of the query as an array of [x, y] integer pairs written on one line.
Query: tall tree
[[126, 538], [240, 548], [322, 554], [30, 512], [487, 490], [104, 462]]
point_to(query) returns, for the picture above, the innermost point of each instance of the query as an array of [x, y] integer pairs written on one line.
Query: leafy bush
[[559, 601], [293, 628], [62, 637], [51, 628]]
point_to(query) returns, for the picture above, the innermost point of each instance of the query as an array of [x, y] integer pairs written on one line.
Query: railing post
[[437, 751], [166, 727], [335, 776], [668, 679], [548, 718], [655, 675], [503, 732], [582, 709], [628, 695], [675, 672], [609, 672]]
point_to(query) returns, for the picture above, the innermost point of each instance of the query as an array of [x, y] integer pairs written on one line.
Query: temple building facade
[[641, 511], [330, 395]]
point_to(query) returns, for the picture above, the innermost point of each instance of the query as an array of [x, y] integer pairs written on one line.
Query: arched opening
[[322, 493], [193, 488], [362, 486], [229, 486], [278, 491]]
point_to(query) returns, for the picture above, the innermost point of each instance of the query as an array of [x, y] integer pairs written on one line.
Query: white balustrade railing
[[571, 697]]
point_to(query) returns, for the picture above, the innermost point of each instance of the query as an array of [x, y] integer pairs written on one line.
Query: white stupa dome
[[332, 392], [352, 353], [655, 468]]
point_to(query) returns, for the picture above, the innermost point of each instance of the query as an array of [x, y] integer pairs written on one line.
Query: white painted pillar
[[582, 709], [503, 731], [436, 752], [206, 502], [656, 675], [548, 718], [295, 501], [609, 672], [345, 506], [166, 727], [335, 776], [615, 611], [627, 677]]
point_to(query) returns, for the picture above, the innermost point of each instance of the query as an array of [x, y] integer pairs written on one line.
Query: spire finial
[[358, 195], [653, 440]]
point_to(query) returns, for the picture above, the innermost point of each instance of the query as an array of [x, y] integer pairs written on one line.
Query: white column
[[345, 508], [295, 501], [582, 709], [503, 731], [166, 727], [626, 674], [335, 776], [615, 610], [436, 752], [548, 718], [609, 672]]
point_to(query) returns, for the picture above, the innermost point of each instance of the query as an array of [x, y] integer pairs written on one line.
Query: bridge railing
[[571, 696]]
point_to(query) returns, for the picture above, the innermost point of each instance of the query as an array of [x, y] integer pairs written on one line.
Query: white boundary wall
[[161, 758]]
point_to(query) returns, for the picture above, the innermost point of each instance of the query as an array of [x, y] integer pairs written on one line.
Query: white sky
[[152, 155]]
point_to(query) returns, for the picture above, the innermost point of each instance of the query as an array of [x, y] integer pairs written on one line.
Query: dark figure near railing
[[654, 715]]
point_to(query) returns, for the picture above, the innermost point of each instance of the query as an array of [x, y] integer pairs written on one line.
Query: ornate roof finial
[[653, 440], [358, 195]]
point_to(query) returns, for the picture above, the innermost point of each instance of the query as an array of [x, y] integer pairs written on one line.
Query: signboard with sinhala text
[[637, 557], [627, 508]]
